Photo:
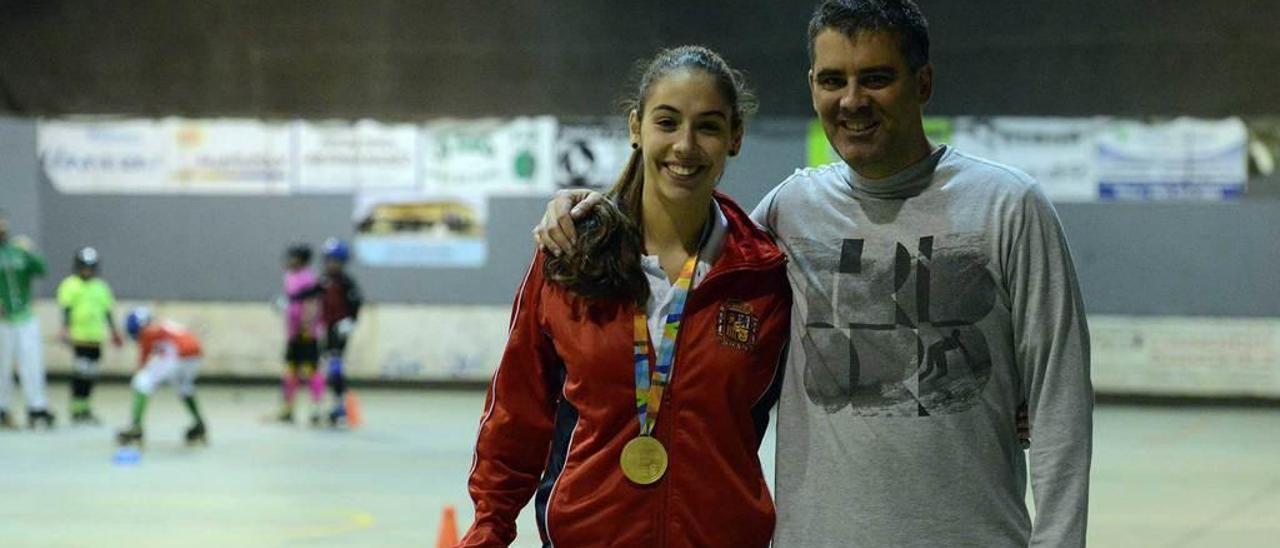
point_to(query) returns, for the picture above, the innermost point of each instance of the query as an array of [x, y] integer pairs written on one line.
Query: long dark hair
[[605, 259]]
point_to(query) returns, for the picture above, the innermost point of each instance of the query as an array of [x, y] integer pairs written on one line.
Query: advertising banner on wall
[[591, 156], [93, 156], [1184, 158], [172, 155], [366, 155], [1186, 356], [515, 156], [230, 156], [1057, 152], [420, 229]]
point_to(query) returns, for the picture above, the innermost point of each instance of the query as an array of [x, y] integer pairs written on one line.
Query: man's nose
[[854, 98]]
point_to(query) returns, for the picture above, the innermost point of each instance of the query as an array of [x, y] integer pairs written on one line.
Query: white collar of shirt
[[660, 288]]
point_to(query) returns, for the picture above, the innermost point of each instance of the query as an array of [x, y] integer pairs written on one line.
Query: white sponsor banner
[[591, 156], [489, 155], [93, 156], [421, 228], [1186, 356], [1181, 159], [366, 155], [230, 156], [172, 155], [1059, 153]]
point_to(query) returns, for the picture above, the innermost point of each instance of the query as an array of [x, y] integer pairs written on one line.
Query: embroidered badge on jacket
[[737, 325]]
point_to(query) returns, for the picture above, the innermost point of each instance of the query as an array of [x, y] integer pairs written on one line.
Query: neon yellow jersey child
[[86, 301]]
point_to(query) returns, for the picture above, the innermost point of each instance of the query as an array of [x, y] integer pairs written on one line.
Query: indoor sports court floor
[[1162, 476]]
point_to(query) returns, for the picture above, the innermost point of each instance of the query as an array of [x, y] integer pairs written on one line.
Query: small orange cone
[[448, 537], [354, 416]]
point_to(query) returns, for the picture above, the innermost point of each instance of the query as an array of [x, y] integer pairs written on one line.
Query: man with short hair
[[19, 330], [934, 297]]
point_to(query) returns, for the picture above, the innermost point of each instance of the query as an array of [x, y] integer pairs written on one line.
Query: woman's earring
[[635, 146]]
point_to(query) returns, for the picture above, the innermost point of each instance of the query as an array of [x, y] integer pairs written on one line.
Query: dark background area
[[401, 60]]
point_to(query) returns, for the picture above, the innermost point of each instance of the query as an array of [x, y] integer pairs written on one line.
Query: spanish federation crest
[[737, 325]]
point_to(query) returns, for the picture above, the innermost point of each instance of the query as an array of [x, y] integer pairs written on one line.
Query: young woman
[[639, 371]]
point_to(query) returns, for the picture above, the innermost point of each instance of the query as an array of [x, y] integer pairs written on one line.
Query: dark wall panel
[[402, 60]]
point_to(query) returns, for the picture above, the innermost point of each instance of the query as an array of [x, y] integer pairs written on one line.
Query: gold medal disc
[[644, 460]]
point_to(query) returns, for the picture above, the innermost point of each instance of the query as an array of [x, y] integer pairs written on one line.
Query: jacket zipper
[[669, 398]]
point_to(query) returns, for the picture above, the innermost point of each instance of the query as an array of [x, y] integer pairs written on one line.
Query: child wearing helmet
[[167, 352], [86, 301], [340, 302], [303, 330]]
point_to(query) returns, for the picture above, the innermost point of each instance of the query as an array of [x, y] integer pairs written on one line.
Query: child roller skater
[[86, 302], [340, 302], [302, 329], [167, 352]]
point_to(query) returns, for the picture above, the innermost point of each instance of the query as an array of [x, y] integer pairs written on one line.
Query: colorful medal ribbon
[[649, 394]]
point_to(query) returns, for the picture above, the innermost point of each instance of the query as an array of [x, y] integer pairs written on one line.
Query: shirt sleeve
[[66, 292], [35, 265], [354, 299], [763, 214], [1051, 339], [517, 426]]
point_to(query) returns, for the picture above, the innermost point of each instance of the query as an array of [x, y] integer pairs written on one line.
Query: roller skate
[[6, 421], [196, 435], [40, 417], [85, 418], [285, 415], [338, 416], [130, 437]]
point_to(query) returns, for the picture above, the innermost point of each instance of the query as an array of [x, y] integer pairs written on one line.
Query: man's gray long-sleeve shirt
[[928, 307]]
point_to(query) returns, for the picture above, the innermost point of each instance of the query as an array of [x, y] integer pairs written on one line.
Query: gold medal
[[644, 460]]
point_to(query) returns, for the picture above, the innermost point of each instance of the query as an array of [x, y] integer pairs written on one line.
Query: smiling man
[[935, 295], [934, 298]]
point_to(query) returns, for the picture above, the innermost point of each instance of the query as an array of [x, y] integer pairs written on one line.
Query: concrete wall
[[19, 181]]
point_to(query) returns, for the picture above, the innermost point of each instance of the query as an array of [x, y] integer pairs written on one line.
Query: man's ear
[[924, 83]]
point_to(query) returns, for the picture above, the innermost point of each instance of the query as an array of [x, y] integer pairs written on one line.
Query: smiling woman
[[567, 419]]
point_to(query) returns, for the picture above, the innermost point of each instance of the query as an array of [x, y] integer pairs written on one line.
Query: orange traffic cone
[[448, 537], [354, 416]]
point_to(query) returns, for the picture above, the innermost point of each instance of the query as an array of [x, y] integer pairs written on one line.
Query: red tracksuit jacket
[[562, 405]]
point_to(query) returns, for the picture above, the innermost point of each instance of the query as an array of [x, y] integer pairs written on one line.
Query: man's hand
[[1024, 427], [555, 233]]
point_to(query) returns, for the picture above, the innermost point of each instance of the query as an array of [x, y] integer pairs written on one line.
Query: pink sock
[[317, 386], [289, 384]]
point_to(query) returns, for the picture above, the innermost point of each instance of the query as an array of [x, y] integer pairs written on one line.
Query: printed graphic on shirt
[[890, 326], [737, 325]]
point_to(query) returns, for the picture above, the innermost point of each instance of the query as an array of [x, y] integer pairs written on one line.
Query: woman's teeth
[[683, 171]]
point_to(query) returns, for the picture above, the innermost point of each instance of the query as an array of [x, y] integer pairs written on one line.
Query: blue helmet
[[337, 250], [137, 319]]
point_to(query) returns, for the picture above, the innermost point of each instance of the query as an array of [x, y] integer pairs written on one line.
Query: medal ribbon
[[649, 391]]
